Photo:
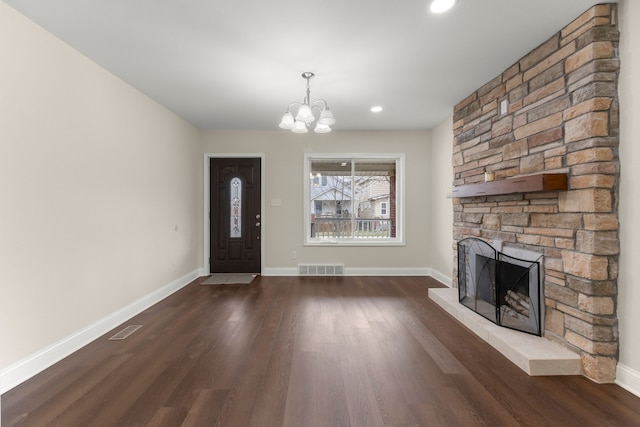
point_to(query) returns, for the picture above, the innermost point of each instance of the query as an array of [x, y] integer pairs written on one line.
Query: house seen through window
[[353, 200]]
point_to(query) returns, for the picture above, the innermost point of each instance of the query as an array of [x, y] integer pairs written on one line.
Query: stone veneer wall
[[562, 116]]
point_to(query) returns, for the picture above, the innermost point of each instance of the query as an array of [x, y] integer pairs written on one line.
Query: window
[[354, 199], [318, 179]]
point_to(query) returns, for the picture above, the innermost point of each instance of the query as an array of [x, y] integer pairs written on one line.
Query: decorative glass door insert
[[236, 208]]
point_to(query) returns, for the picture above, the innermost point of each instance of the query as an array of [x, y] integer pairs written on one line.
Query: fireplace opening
[[502, 288]]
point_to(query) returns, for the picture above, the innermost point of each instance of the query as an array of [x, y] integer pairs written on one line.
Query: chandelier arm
[[326, 105], [293, 104]]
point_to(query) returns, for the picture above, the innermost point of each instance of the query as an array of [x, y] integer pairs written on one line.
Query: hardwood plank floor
[[291, 351]]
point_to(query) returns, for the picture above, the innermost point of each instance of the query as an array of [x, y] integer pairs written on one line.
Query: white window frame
[[399, 240]]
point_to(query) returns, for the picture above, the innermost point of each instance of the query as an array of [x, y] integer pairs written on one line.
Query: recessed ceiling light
[[439, 6], [376, 109]]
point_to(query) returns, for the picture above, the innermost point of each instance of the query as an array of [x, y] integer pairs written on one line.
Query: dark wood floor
[[289, 351]]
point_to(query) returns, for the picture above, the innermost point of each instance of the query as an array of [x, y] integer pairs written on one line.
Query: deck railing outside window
[[341, 228]]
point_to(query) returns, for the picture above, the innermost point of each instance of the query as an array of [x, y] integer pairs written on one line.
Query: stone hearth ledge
[[535, 355]]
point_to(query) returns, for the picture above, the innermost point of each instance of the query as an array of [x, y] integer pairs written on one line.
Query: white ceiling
[[237, 64]]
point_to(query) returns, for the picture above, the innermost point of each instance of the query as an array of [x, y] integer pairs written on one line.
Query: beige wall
[[629, 282], [98, 188], [283, 226], [441, 224]]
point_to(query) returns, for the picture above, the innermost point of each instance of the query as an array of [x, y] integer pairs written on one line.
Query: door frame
[[207, 203]]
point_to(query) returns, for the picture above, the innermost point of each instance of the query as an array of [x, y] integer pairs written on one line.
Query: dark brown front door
[[235, 219]]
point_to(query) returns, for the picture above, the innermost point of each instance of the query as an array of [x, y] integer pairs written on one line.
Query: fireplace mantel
[[520, 184]]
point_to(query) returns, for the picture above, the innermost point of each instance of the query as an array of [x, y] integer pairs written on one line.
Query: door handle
[[257, 224]]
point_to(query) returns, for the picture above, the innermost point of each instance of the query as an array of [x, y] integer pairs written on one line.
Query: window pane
[[236, 208], [331, 198], [375, 198]]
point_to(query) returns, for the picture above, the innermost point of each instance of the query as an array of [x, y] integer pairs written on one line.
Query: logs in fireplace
[[502, 288]]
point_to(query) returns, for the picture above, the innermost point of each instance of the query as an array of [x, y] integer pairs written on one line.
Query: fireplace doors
[[499, 287]]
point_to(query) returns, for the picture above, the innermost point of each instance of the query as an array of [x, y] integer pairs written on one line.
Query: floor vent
[[320, 269], [125, 333]]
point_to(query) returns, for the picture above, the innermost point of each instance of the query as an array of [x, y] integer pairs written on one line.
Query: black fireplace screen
[[499, 287]]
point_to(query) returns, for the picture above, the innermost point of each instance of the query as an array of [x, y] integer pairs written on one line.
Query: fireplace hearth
[[499, 287]]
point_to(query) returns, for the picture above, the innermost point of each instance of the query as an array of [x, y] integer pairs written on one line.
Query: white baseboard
[[365, 271], [26, 368], [628, 379], [440, 277], [368, 271], [281, 271]]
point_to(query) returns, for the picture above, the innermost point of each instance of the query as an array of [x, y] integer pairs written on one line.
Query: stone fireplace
[[555, 111]]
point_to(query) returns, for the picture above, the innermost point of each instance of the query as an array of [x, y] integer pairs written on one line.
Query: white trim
[[41, 360], [363, 271], [280, 271], [207, 208], [399, 240], [628, 379], [441, 277], [391, 271]]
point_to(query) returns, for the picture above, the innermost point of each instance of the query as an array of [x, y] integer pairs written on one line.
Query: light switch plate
[[504, 106]]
